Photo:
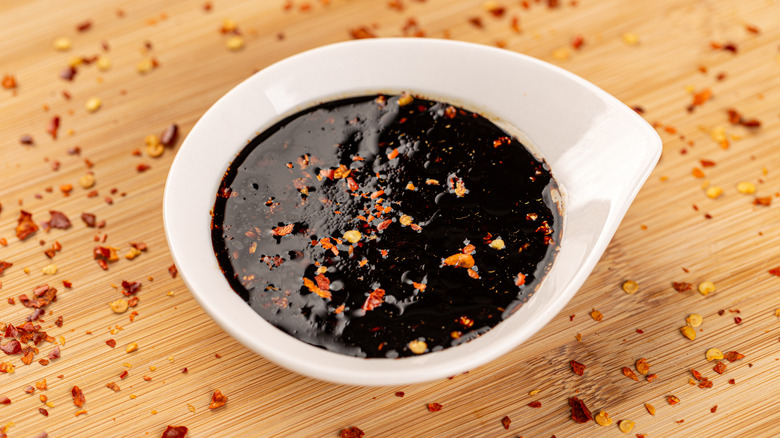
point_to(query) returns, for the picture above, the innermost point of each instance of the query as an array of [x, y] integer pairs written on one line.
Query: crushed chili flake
[[26, 226], [175, 432], [362, 32], [733, 356], [78, 396], [111, 343], [577, 367], [351, 432], [4, 266], [579, 412], [217, 399], [535, 404], [682, 286], [630, 374], [53, 127], [506, 422], [596, 315], [672, 400], [714, 408], [434, 407], [737, 320], [651, 377], [112, 386], [720, 367]]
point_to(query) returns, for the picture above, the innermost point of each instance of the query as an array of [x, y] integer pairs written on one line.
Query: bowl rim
[[334, 367]]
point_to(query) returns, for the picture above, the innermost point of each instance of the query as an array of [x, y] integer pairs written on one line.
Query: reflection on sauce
[[385, 226]]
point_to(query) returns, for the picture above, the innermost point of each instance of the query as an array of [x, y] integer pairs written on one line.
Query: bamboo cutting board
[[656, 55]]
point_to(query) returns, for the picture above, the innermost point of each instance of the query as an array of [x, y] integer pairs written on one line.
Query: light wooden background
[[735, 248]]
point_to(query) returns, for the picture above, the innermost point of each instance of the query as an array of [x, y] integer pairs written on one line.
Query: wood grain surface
[[673, 231]]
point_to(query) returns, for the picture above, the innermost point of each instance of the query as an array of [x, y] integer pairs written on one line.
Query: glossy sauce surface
[[385, 226]]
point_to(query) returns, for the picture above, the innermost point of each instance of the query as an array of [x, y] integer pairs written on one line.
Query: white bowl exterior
[[599, 150]]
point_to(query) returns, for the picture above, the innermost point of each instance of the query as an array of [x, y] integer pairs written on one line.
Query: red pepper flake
[[55, 353], [651, 377], [640, 331], [9, 82], [84, 26], [506, 422], [314, 289], [78, 396], [765, 201], [217, 400], [737, 320], [25, 226], [169, 136], [535, 404], [175, 432], [374, 300], [130, 287], [702, 97], [58, 322], [577, 367], [596, 315], [43, 412], [173, 271], [720, 367], [112, 386], [4, 266], [714, 408], [577, 41], [707, 163], [53, 127], [705, 383], [283, 230], [58, 220], [361, 32], [672, 400], [11, 347], [434, 407], [579, 412], [520, 279], [142, 167], [111, 343], [123, 374], [26, 139], [351, 432], [733, 356], [682, 286], [696, 374], [399, 394], [476, 22], [630, 374], [5, 400]]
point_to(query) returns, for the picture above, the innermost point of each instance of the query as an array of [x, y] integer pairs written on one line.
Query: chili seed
[[642, 366], [62, 44], [119, 306], [714, 354], [418, 347], [405, 220], [706, 287], [688, 332], [630, 287], [498, 244], [235, 43], [713, 192], [50, 270], [93, 104], [626, 426], [87, 181], [602, 418], [405, 99], [746, 187], [352, 236], [694, 320], [103, 63]]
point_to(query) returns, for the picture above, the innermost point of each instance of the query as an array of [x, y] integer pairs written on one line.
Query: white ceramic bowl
[[600, 152]]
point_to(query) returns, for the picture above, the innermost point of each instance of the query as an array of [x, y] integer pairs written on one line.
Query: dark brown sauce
[[430, 188]]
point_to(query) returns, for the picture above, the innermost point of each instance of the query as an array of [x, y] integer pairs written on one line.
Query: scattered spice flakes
[[78, 396], [682, 286], [719, 367], [701, 97], [217, 400], [596, 315], [579, 412], [351, 432], [650, 408], [506, 422], [434, 407], [535, 404], [630, 374], [173, 271], [714, 408], [112, 386], [9, 82], [111, 343], [175, 432], [672, 400], [577, 367], [651, 377]]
